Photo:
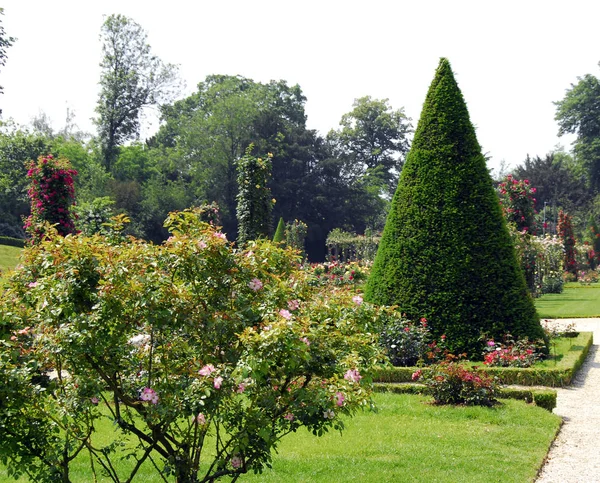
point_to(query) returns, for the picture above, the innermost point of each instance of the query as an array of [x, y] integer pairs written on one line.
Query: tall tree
[[5, 43], [445, 252], [579, 113], [373, 139], [132, 78]]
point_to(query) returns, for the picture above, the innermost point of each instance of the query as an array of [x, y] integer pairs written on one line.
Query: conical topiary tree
[[279, 232], [445, 252]]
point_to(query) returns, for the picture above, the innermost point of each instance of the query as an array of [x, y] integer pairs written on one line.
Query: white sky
[[512, 59]]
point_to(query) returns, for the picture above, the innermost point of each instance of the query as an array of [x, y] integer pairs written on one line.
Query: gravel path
[[575, 455]]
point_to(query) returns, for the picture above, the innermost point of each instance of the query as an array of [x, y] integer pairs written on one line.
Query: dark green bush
[[446, 253], [12, 242]]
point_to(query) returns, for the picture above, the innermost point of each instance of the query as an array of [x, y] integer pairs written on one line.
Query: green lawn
[[411, 440], [576, 301], [408, 439], [9, 259]]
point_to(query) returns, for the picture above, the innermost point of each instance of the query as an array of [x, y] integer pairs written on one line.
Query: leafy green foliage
[[445, 252], [280, 231], [373, 141], [254, 200], [203, 356], [579, 113], [295, 235]]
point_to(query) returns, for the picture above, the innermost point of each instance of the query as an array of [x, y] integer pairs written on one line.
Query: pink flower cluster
[[149, 395]]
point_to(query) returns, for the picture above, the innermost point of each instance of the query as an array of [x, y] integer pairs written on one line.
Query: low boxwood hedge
[[558, 375], [12, 242]]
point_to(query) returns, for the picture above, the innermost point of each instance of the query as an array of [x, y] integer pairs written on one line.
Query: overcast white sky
[[512, 59]]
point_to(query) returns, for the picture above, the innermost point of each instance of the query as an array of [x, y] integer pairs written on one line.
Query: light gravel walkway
[[575, 455]]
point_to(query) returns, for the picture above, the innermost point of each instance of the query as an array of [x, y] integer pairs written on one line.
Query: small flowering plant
[[511, 353], [450, 382]]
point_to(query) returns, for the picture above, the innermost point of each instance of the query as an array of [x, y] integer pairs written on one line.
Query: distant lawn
[[576, 301], [408, 439], [9, 259]]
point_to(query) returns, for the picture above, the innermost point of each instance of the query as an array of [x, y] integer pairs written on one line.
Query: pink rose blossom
[[202, 245], [32, 284], [286, 314], [217, 382], [236, 462], [352, 375], [94, 400], [200, 419], [339, 398], [357, 299], [289, 417], [241, 388], [220, 235], [149, 395], [293, 304], [207, 370], [255, 284], [491, 343], [305, 340]]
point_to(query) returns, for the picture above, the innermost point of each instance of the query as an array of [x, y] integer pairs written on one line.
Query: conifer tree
[[445, 253], [280, 231]]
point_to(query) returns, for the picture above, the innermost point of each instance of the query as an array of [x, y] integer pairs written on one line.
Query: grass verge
[[411, 440], [576, 301], [9, 259], [407, 439]]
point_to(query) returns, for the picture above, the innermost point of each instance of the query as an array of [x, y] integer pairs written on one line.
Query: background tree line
[[344, 179]]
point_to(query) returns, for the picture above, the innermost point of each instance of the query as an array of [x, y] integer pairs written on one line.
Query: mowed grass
[[9, 259], [406, 440], [576, 301], [409, 440]]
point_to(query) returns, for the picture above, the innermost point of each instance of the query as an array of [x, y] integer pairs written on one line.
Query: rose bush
[[173, 343]]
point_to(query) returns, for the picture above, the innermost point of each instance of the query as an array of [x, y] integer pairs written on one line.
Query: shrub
[[450, 382], [52, 195], [553, 285], [518, 203], [295, 234], [511, 353], [172, 343], [587, 277], [445, 252], [406, 343]]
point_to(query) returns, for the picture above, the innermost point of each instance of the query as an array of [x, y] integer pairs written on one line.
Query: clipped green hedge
[[446, 253], [12, 242], [558, 375], [544, 398]]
